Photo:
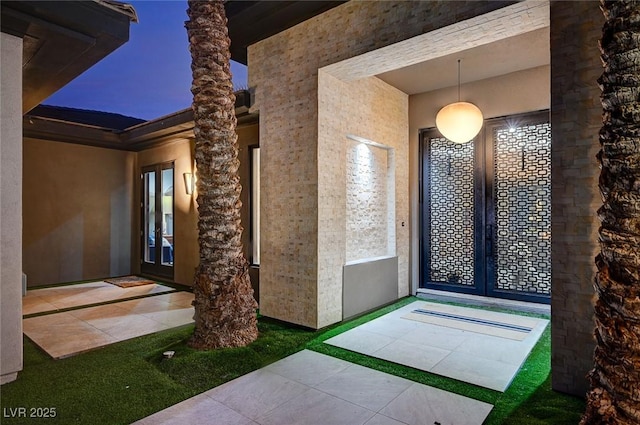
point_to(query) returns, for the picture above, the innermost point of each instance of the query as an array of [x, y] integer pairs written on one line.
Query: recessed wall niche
[[370, 200]]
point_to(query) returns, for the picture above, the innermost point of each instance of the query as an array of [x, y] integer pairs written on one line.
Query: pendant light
[[459, 122]]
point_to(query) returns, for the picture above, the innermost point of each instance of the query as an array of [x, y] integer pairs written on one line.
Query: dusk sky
[[147, 77]]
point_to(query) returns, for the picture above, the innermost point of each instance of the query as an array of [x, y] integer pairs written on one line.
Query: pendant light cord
[[458, 80]]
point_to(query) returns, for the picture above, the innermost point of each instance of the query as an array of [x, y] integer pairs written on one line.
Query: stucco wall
[[82, 216], [248, 137], [11, 208], [575, 121], [186, 214], [77, 212], [514, 93]]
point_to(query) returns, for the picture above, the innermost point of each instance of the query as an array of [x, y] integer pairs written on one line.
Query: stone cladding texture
[[283, 70], [575, 121], [371, 109], [368, 214]]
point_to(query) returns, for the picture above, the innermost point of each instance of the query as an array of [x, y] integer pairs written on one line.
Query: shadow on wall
[[76, 212], [57, 256], [120, 236]]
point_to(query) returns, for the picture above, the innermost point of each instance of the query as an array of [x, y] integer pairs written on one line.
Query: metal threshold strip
[[492, 323]]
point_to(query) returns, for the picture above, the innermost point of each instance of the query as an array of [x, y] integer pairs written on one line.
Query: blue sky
[[147, 77]]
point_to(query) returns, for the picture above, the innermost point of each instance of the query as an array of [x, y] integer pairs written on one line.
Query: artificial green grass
[[202, 370], [545, 407], [110, 385], [124, 382], [127, 381]]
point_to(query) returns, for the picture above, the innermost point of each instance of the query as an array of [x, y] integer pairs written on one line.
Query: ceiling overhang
[[167, 129], [520, 52], [447, 43], [252, 21], [62, 39]]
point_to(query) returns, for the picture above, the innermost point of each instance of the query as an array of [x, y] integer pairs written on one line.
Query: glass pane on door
[[149, 213], [167, 217], [451, 211], [522, 194], [157, 220]]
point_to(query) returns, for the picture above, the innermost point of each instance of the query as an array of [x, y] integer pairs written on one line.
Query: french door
[[486, 210], [157, 208]]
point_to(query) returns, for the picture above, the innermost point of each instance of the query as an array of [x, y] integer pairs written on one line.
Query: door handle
[[489, 239]]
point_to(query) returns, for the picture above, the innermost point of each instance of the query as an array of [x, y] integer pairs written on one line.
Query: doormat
[[129, 281], [517, 329]]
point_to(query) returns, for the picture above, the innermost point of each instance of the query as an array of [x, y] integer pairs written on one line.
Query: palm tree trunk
[[225, 310], [614, 397]]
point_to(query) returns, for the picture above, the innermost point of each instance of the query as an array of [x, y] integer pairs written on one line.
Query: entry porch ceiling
[[509, 39], [62, 39], [524, 51]]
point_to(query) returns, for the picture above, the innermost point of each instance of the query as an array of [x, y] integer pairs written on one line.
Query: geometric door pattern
[[497, 189], [522, 199]]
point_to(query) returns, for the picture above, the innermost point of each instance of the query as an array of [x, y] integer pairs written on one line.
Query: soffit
[[61, 40], [524, 51], [252, 21], [428, 61]]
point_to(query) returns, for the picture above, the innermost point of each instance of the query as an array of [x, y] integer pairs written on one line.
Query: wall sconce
[[459, 122], [189, 183]]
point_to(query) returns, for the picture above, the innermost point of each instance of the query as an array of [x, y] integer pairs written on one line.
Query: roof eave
[[61, 40], [167, 129]]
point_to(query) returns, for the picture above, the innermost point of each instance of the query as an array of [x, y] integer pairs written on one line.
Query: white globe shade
[[460, 121]]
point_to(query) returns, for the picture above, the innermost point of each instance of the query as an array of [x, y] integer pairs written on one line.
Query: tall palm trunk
[[225, 311], [615, 380]]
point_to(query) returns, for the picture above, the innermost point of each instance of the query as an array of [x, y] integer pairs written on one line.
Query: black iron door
[[486, 210]]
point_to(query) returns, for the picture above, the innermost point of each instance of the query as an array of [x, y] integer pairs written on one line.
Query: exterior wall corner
[[575, 122], [11, 209]]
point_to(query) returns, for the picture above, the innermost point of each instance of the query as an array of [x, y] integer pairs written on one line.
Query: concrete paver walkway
[[310, 388], [479, 358], [72, 332], [80, 294]]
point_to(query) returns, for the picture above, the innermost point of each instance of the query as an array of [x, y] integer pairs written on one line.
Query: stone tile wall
[[575, 121], [283, 70], [303, 210], [368, 202], [371, 109], [304, 213]]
